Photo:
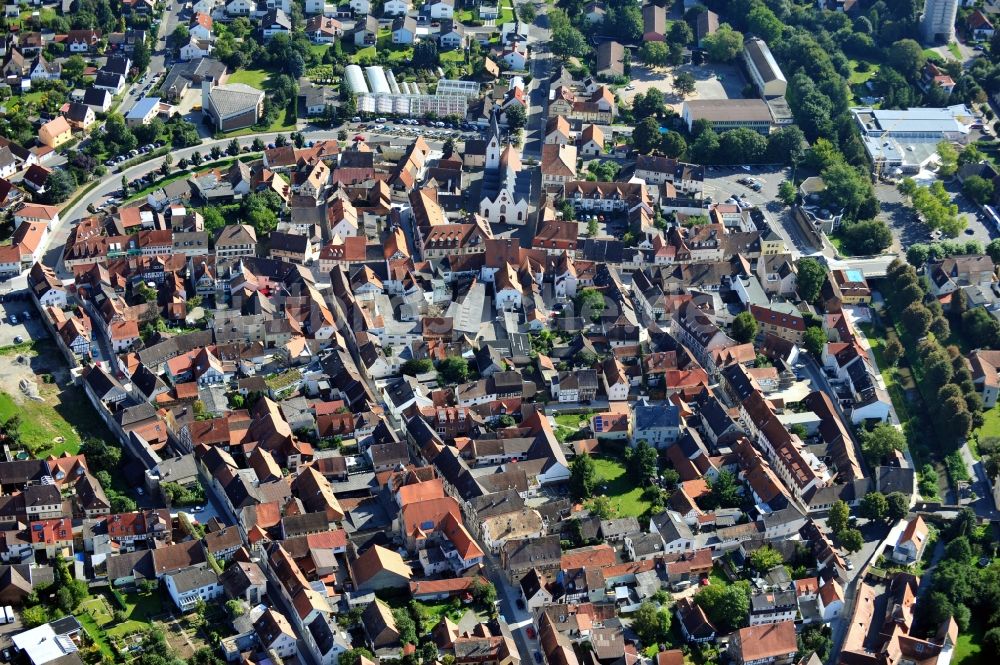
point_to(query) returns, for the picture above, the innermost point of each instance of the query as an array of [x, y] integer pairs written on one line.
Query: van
[[9, 613]]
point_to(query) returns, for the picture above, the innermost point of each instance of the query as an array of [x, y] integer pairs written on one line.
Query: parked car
[[18, 339]]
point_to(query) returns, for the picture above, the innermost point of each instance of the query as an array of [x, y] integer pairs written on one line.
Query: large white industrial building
[[377, 91]]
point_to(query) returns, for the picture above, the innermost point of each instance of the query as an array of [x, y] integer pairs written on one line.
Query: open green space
[[954, 50], [613, 481], [251, 77], [861, 77], [432, 613], [52, 427], [968, 649], [991, 427], [97, 617], [455, 55]]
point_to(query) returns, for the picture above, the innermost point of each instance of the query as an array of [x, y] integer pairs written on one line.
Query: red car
[[531, 632]]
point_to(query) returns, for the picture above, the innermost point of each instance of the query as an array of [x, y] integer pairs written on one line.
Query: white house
[[195, 49], [442, 9], [190, 585], [614, 380], [397, 7]]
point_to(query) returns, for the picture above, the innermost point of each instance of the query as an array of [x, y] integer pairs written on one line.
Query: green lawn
[[613, 482], [968, 650], [42, 422], [991, 427], [251, 77], [97, 616], [431, 613], [861, 77], [319, 50], [455, 55], [367, 52], [953, 49]]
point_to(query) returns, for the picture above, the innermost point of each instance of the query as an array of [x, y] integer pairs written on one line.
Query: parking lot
[[908, 230], [24, 330]]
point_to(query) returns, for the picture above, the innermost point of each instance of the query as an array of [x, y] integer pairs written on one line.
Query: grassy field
[[991, 427], [968, 650], [861, 77], [97, 616], [613, 482], [42, 422], [953, 49], [452, 56], [251, 77]]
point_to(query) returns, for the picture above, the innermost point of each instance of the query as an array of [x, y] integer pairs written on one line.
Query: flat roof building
[[904, 141], [727, 114]]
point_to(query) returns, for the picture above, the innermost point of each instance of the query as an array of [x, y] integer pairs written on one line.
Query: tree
[[484, 593], [787, 193], [517, 117], [181, 35], [674, 145], [642, 462], [649, 104], [916, 320], [415, 367], [907, 57], [590, 303], [816, 639], [893, 351], [978, 189], [897, 506], [981, 329], [725, 44], [868, 237], [582, 477], [949, 159], [728, 607], [741, 145], [34, 616], [970, 154], [765, 558], [851, 540], [655, 53], [651, 624], [762, 22], [846, 187], [684, 83], [601, 507], [809, 279], [814, 340], [744, 327], [705, 147], [874, 506], [838, 517], [141, 56], [724, 491], [454, 369], [233, 148], [353, 656], [73, 67], [880, 441], [646, 135], [100, 456], [60, 185], [679, 33], [405, 625], [567, 42]]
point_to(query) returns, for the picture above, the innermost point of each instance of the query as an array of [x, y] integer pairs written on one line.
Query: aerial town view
[[500, 332]]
